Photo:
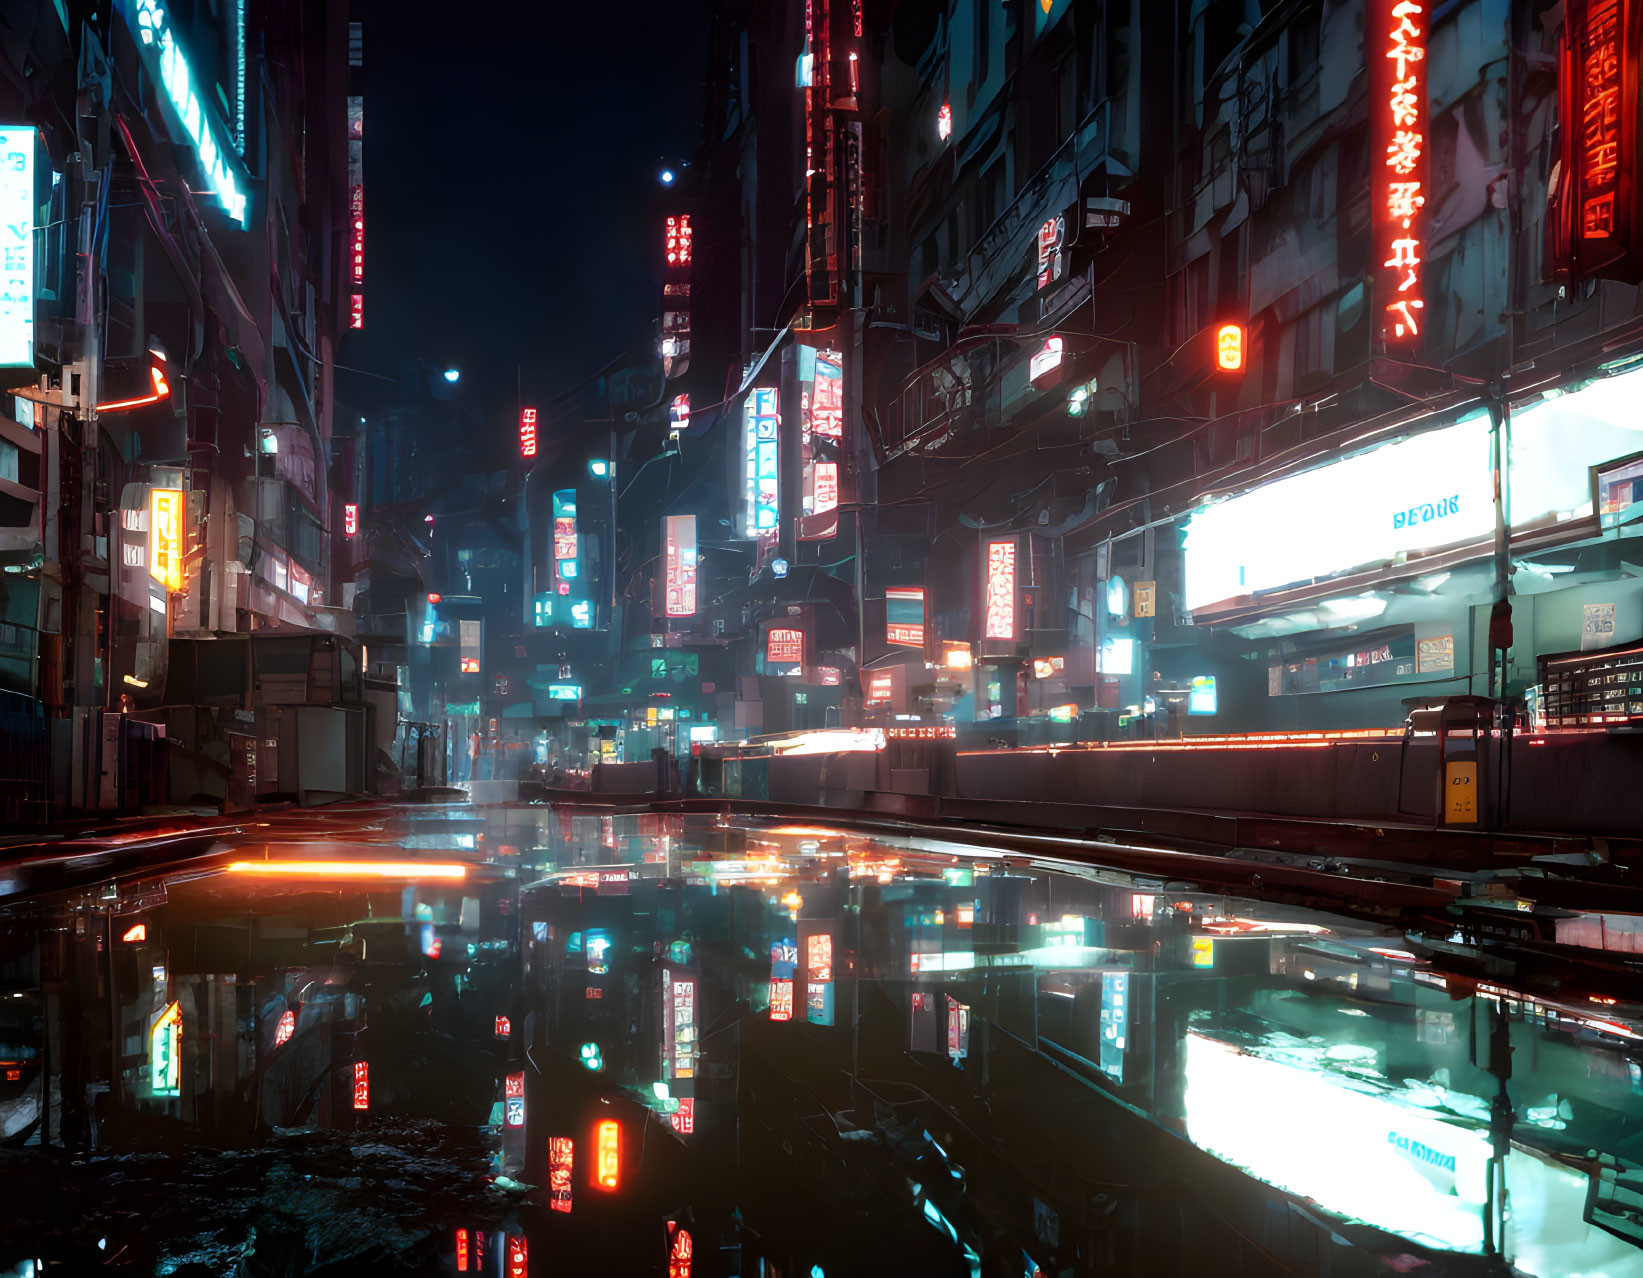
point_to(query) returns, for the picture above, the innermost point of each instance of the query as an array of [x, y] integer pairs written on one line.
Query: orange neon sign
[[350, 869], [165, 537], [1229, 348], [1396, 41], [159, 384], [607, 1154]]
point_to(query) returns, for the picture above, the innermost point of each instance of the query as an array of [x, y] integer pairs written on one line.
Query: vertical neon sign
[[679, 565], [17, 284], [165, 1052], [527, 432], [362, 1085], [561, 1163], [165, 537], [1397, 53], [1000, 590], [607, 1154]]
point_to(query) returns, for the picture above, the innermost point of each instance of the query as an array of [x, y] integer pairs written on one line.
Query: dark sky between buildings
[[513, 205]]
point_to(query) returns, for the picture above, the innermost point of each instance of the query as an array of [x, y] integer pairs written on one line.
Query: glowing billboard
[[165, 537], [17, 210], [679, 566], [762, 474], [198, 117], [1000, 594], [527, 432], [904, 616]]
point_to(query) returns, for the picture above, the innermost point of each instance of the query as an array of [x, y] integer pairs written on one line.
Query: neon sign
[[165, 537], [607, 1154], [356, 227], [165, 1051], [679, 566], [819, 956], [781, 1000], [287, 1026], [1052, 261], [904, 616], [356, 311], [170, 68], [784, 646], [760, 426], [1597, 108], [680, 1254], [561, 1163], [518, 1257], [1000, 590], [17, 286], [683, 1119], [362, 1085], [1397, 49], [527, 432], [350, 519], [678, 240], [1229, 348]]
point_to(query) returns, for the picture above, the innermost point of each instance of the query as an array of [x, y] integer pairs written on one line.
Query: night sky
[[512, 155]]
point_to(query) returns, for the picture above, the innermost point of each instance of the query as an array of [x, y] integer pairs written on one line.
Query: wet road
[[527, 1040]]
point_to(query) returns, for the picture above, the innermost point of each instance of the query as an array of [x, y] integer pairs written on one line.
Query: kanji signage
[[561, 1163], [527, 432], [165, 537], [760, 428], [1000, 598], [362, 1085], [784, 645], [17, 212], [1395, 42], [350, 519], [1052, 258], [1596, 204], [677, 240]]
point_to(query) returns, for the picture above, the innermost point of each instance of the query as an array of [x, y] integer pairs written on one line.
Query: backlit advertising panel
[[561, 1165], [1593, 229], [527, 432], [165, 537], [904, 616], [762, 473], [679, 566], [1000, 591], [17, 212]]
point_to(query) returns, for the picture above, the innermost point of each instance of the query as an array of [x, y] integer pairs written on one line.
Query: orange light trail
[[351, 869]]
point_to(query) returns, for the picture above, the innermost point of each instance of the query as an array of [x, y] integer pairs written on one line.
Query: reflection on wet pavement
[[517, 1040]]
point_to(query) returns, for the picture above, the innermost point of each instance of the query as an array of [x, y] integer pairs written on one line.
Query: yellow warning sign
[[1460, 792]]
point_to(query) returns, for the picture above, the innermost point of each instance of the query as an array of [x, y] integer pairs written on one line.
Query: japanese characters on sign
[[762, 474], [607, 1154], [784, 646], [561, 1163], [362, 1085], [165, 537], [1596, 207], [1395, 40], [350, 519], [1000, 590], [17, 211], [781, 1000], [677, 239], [356, 232], [527, 432], [819, 956]]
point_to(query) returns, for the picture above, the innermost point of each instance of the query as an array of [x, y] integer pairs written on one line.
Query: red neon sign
[[784, 646], [683, 1119], [462, 1251], [527, 432], [781, 1000], [679, 1255], [561, 1163], [356, 310], [1396, 40], [504, 1026], [362, 1085], [287, 1026], [819, 956], [350, 519], [518, 1257], [678, 240], [1229, 348], [356, 214], [1000, 590], [607, 1155], [1596, 231], [136, 932], [513, 1085]]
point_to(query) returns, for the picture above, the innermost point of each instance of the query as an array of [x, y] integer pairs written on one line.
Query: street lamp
[[453, 375], [667, 177], [599, 468]]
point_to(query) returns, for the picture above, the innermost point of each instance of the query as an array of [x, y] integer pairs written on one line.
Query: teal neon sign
[[165, 60]]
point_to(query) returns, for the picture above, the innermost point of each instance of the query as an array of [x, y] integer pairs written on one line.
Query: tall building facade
[[177, 185], [1086, 367]]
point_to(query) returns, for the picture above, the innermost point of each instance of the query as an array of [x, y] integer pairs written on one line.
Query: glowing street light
[[667, 177], [599, 468], [453, 375]]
